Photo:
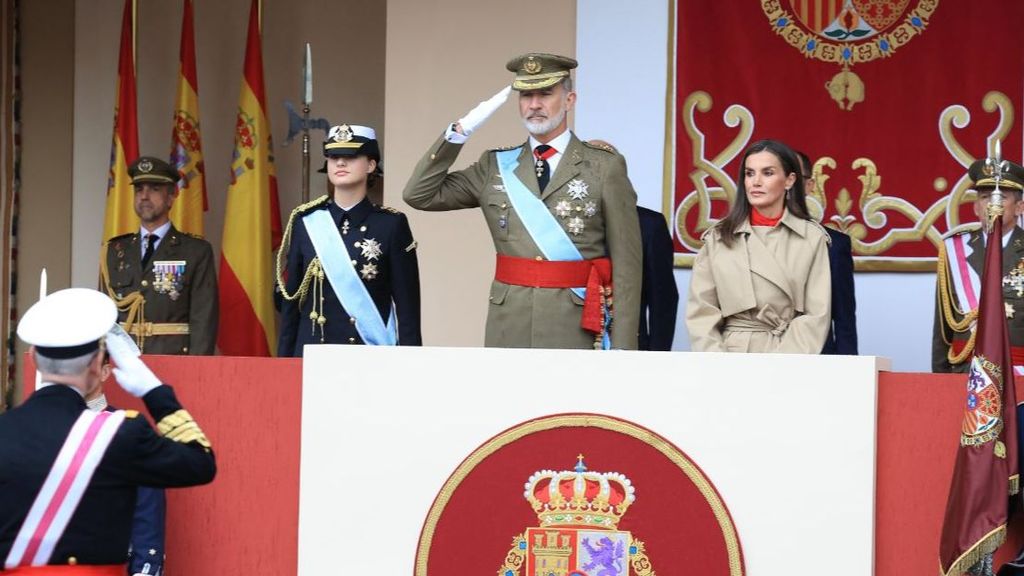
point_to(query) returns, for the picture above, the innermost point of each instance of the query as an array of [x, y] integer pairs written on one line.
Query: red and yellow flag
[[186, 147], [985, 473], [252, 221], [120, 215]]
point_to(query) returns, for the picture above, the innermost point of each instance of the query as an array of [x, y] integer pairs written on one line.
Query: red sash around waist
[[67, 570], [595, 275], [1016, 352]]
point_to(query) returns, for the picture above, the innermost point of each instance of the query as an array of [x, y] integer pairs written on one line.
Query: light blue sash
[[345, 281], [540, 223]]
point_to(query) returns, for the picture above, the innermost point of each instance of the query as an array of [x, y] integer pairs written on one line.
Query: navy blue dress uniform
[[659, 297], [842, 334], [170, 302], [69, 324], [381, 248]]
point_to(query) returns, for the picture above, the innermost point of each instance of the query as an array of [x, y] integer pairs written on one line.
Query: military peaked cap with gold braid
[[981, 175], [536, 70]]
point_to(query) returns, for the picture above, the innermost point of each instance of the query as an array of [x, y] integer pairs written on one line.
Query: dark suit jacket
[[659, 297], [842, 334]]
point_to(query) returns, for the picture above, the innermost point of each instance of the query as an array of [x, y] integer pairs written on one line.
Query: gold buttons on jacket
[[351, 340], [540, 258], [145, 283], [72, 561], [352, 321]]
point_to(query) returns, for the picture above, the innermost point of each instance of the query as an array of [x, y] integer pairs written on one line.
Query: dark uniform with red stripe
[[98, 533]]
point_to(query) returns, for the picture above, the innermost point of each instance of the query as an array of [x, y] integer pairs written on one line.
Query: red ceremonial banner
[[578, 494], [891, 99]]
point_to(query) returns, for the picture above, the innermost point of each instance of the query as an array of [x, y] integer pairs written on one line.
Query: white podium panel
[[788, 441]]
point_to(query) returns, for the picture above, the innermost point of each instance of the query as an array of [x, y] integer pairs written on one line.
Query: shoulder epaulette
[[963, 228], [302, 209], [388, 209], [193, 235], [600, 145], [505, 148], [120, 237], [131, 413]]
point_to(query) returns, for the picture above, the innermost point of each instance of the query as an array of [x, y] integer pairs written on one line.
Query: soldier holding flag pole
[[986, 469]]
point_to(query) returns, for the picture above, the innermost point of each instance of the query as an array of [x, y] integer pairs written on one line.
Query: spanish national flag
[[120, 215], [252, 220], [186, 147]]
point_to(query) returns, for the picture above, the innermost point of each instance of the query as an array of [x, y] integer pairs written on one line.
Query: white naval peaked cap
[[68, 323]]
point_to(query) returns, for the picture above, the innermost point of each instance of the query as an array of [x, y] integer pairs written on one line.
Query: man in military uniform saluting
[[347, 269], [161, 279], [960, 265], [561, 212], [70, 474]]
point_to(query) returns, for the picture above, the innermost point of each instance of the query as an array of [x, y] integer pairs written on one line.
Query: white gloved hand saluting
[[478, 115], [129, 370]]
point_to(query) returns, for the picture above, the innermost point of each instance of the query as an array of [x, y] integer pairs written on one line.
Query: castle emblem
[[578, 512], [848, 32]]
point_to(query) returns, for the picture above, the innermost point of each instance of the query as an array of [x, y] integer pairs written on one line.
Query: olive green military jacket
[[771, 291], [178, 285], [527, 317], [943, 334]]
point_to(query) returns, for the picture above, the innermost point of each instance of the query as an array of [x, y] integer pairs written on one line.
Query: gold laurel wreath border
[[586, 421], [831, 51]]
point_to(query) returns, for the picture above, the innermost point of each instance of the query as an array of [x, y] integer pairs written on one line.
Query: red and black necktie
[[541, 154]]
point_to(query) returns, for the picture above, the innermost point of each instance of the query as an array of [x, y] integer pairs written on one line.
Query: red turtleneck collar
[[758, 219]]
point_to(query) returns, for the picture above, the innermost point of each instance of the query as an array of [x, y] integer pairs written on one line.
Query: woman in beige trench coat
[[761, 282]]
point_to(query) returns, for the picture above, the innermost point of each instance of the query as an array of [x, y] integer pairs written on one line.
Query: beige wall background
[[419, 64], [443, 57], [347, 41]]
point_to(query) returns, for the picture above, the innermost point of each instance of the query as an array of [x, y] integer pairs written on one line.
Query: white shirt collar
[[560, 142], [160, 232]]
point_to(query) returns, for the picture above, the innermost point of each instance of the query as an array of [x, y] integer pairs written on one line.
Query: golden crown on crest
[[579, 497]]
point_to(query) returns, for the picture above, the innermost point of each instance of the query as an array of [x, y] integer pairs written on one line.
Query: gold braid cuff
[[950, 311], [133, 305], [180, 427]]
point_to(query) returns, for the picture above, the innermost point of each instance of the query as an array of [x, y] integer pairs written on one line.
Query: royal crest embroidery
[[187, 155], [371, 249], [984, 407], [341, 133], [145, 166], [578, 189], [578, 535], [368, 271], [849, 32]]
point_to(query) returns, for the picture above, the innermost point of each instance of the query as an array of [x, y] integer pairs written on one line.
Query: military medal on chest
[[1014, 281], [576, 207], [371, 251], [169, 277]]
